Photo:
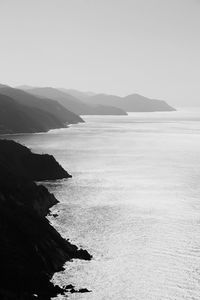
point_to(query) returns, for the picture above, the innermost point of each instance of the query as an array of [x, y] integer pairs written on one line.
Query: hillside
[[53, 108], [17, 118]]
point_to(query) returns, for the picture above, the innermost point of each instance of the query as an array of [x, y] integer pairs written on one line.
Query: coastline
[[25, 230]]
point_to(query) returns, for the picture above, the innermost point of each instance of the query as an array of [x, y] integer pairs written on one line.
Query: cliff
[[31, 250]]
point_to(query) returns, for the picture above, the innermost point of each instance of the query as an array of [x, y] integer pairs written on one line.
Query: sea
[[133, 202]]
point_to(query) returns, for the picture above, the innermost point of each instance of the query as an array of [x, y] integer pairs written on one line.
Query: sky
[[150, 47]]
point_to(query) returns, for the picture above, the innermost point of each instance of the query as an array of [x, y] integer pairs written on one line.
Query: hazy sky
[[151, 47]]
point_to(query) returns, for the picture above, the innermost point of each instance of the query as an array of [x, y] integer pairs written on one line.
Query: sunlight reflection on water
[[133, 203]]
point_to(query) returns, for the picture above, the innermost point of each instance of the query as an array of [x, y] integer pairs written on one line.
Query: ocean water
[[133, 203]]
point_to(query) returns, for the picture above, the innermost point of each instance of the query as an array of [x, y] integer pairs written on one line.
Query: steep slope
[[131, 103], [47, 105], [17, 118], [73, 104], [31, 250]]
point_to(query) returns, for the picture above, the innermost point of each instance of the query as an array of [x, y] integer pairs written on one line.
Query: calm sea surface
[[133, 203]]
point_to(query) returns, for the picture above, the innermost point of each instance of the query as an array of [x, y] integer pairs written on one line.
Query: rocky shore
[[31, 250]]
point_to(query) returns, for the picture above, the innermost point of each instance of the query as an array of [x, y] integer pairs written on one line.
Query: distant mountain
[[74, 104], [53, 108], [68, 101], [89, 103], [131, 103]]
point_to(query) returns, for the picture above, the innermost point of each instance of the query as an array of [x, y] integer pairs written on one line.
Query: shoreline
[[24, 229]]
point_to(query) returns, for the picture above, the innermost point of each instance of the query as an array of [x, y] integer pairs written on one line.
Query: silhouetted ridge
[[44, 114], [72, 103], [88, 103], [130, 103], [31, 250], [17, 118]]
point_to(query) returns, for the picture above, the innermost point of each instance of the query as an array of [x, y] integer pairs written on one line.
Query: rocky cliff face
[[31, 250]]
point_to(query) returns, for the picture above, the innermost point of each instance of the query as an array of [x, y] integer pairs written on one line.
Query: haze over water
[[133, 203]]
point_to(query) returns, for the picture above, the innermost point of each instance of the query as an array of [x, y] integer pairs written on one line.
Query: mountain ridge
[[74, 104], [21, 112], [131, 103]]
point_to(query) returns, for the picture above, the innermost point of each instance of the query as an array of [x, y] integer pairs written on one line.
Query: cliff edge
[[31, 250]]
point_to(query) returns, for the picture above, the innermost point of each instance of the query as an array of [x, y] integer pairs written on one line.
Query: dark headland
[[31, 250]]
